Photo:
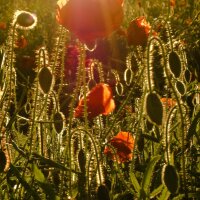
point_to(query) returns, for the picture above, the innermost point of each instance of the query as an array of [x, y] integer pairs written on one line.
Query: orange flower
[[172, 3], [138, 31], [99, 101], [3, 25], [168, 102], [123, 143], [90, 19]]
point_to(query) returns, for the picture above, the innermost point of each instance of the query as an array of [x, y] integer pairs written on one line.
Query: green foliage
[[48, 153]]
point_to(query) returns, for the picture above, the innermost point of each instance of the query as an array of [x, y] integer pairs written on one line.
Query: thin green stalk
[[180, 112], [123, 104]]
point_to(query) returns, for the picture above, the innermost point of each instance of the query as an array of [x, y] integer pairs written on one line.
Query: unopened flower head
[[24, 20]]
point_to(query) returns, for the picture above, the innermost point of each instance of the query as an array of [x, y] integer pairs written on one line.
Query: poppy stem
[[180, 113], [124, 103]]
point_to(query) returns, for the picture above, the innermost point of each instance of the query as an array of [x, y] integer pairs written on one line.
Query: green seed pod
[[187, 76], [175, 64], [170, 178], [45, 79], [154, 108], [25, 19], [58, 119], [102, 193], [180, 86]]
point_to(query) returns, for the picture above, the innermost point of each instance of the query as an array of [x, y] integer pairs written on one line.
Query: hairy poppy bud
[[24, 20]]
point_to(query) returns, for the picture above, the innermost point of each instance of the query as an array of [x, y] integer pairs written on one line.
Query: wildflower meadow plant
[[99, 100]]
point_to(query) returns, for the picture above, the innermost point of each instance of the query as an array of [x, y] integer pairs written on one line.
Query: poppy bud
[[24, 20]]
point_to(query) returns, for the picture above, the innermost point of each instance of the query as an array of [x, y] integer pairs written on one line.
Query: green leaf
[[51, 163], [49, 191], [146, 181], [134, 181], [164, 195], [24, 183], [179, 197], [156, 191], [150, 137], [39, 176], [192, 128]]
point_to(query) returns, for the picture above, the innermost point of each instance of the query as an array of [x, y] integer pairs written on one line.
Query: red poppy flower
[[172, 3], [99, 101], [3, 25], [123, 143], [90, 19], [138, 31]]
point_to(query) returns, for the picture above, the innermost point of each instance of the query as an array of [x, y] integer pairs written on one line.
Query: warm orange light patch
[[138, 31], [99, 101], [123, 142], [3, 25], [168, 102], [90, 19]]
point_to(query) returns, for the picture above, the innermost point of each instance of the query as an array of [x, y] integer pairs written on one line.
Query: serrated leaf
[[39, 176], [24, 183], [45, 79], [180, 86], [175, 64], [134, 182], [48, 190], [52, 163], [58, 122], [170, 178], [154, 108], [146, 181]]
